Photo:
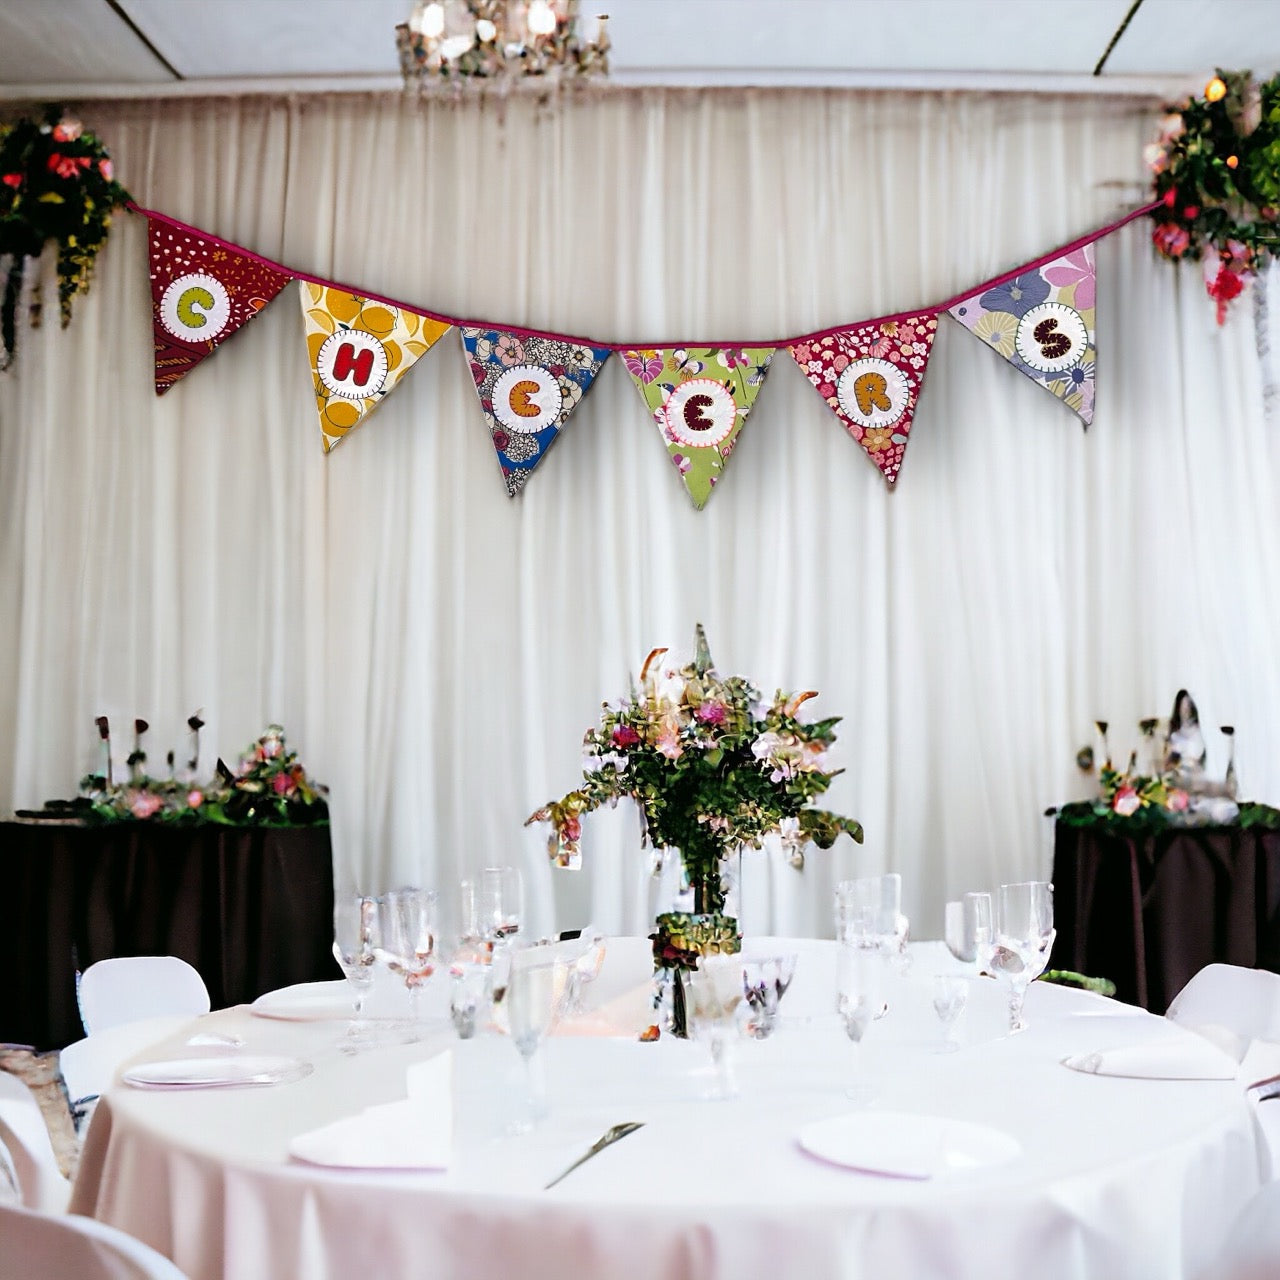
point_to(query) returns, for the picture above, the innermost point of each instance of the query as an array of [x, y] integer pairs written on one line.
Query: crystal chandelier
[[497, 42]]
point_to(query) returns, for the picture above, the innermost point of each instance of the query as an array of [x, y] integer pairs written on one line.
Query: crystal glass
[[978, 928], [407, 938], [471, 973], [714, 991], [534, 993], [355, 933], [584, 969], [859, 979], [953, 931], [765, 980], [492, 904], [868, 913], [950, 995], [1023, 940]]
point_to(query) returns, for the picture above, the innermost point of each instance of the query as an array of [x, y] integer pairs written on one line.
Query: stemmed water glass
[[355, 932], [765, 980], [407, 939], [859, 978], [714, 992], [535, 988], [950, 995], [978, 928], [1023, 939]]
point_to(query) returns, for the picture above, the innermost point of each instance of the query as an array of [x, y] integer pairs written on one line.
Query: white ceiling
[[50, 47]]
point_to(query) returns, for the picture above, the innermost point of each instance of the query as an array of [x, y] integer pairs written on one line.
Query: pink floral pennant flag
[[528, 386], [202, 291], [871, 374], [1040, 318], [699, 397]]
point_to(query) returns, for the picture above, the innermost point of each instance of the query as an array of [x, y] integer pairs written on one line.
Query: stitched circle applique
[[873, 393], [527, 398], [195, 307], [700, 413], [352, 364], [1052, 337]]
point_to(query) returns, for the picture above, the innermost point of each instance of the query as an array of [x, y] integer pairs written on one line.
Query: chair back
[[29, 1150], [89, 1066], [39, 1246], [1230, 1005], [128, 988]]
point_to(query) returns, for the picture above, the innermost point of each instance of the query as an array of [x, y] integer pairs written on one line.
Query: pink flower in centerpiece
[[195, 798], [667, 742], [1178, 801], [270, 748], [281, 784], [571, 830], [1126, 802], [712, 712], [144, 804], [625, 736]]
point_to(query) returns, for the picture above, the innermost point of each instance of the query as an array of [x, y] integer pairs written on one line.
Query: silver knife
[[607, 1139]]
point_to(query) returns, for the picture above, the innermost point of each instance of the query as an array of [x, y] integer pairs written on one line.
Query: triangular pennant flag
[[360, 348], [1041, 319], [528, 386], [871, 374], [202, 291], [700, 397]]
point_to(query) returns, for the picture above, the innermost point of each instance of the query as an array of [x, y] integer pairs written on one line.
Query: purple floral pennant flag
[[1040, 318], [699, 397], [528, 386]]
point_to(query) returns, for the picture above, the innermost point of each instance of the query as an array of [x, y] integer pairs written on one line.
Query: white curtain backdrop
[[435, 649]]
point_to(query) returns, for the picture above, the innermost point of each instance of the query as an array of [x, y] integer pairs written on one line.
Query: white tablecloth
[[1118, 1179]]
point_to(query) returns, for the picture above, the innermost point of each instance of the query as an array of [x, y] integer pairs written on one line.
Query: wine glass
[[765, 980], [584, 969], [950, 994], [859, 977], [1023, 939], [355, 931], [978, 929], [407, 938], [714, 991], [493, 904], [535, 987], [953, 930]]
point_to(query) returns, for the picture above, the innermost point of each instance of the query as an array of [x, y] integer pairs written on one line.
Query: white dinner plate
[[307, 1002], [216, 1072], [901, 1144]]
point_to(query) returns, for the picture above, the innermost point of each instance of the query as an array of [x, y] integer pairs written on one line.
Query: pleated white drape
[[435, 649]]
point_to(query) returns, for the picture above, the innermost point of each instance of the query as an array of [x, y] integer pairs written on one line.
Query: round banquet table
[[1113, 1177]]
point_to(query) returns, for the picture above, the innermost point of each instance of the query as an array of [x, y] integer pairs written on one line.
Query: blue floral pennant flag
[[528, 386], [1040, 318]]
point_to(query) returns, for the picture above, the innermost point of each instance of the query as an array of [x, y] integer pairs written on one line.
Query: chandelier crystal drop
[[498, 44]]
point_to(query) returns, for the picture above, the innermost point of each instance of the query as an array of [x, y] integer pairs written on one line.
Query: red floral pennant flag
[[1040, 318], [871, 374], [202, 291]]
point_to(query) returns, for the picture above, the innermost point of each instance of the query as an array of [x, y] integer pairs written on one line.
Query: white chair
[[25, 1137], [1252, 1251], [1231, 1006], [37, 1246], [129, 988]]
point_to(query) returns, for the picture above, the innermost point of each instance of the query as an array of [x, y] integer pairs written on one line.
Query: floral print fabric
[[699, 397], [871, 374], [1042, 322], [528, 386]]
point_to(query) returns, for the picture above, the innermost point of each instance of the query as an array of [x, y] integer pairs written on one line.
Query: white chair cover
[[1231, 1006], [1252, 1251], [25, 1137], [130, 988], [38, 1246]]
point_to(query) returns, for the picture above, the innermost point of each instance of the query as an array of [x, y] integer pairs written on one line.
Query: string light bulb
[[1215, 90]]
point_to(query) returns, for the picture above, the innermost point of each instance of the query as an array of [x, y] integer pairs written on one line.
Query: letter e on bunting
[[528, 386], [700, 399], [1040, 318], [202, 291], [359, 348], [871, 374]]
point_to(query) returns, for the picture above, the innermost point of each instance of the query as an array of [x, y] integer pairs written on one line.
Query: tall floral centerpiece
[[712, 768]]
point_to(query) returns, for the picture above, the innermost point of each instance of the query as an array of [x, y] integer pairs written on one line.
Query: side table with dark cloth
[[1150, 908], [250, 907]]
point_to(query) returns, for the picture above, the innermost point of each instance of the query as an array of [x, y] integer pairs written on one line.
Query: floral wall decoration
[[1217, 182], [56, 184]]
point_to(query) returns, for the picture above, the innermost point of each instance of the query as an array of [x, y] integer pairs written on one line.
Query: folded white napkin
[[1169, 1060], [414, 1133]]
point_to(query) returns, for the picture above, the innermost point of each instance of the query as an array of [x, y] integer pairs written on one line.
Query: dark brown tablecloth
[[1150, 910], [250, 908]]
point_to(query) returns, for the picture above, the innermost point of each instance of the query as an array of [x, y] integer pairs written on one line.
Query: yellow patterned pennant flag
[[359, 348]]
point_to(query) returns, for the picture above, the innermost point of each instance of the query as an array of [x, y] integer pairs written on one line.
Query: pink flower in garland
[[13, 180], [1126, 802], [67, 166], [195, 798], [1171, 240], [107, 169], [1178, 801], [144, 804]]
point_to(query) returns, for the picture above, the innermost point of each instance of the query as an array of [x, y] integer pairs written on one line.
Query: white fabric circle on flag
[[352, 364], [874, 393], [195, 307], [527, 398], [700, 413], [1052, 337]]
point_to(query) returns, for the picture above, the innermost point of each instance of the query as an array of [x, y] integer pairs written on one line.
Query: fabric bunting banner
[[528, 386], [871, 374], [700, 400], [359, 348], [202, 291], [1040, 318]]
